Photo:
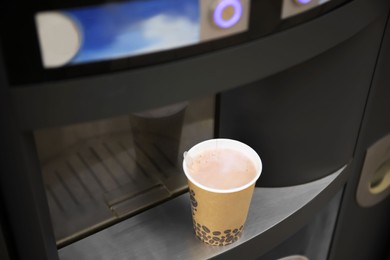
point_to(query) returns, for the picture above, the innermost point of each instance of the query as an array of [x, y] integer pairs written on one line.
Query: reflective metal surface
[[165, 232], [99, 173]]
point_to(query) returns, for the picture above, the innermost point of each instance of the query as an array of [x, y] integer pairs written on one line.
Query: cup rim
[[226, 143]]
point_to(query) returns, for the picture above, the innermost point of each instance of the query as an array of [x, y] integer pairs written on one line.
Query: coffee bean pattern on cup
[[212, 237], [194, 203]]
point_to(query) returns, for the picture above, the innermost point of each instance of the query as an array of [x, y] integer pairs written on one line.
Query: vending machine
[[100, 99]]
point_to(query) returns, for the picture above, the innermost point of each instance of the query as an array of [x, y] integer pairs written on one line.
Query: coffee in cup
[[221, 177]]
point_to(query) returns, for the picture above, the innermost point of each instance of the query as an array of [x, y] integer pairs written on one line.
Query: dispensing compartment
[[97, 173]]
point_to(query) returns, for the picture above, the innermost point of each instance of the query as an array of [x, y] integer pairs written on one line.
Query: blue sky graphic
[[135, 27]]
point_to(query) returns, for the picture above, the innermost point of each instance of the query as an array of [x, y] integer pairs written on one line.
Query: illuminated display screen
[[136, 27], [116, 30]]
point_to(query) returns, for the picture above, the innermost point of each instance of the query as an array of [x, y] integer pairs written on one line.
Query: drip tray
[[106, 179]]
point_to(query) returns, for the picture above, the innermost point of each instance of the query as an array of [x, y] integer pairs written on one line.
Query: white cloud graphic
[[167, 32], [160, 32]]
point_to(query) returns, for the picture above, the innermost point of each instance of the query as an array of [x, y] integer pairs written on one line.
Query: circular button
[[303, 2], [227, 13]]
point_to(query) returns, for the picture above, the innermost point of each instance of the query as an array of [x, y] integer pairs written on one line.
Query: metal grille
[[106, 179]]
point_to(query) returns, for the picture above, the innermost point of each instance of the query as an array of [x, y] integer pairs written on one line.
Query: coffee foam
[[222, 168], [221, 143]]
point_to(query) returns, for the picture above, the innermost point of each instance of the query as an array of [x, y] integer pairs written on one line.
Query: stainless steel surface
[[103, 180], [210, 30], [314, 237], [316, 246], [165, 232], [294, 7], [294, 257], [98, 173]]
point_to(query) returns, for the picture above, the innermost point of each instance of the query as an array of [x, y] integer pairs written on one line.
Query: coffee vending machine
[[99, 100]]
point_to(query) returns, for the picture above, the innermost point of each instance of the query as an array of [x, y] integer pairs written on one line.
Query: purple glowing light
[[303, 2], [218, 11]]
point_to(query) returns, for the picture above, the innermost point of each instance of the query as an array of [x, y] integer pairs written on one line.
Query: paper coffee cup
[[219, 215]]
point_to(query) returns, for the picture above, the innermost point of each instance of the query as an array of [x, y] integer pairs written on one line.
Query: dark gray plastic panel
[[89, 98], [3, 249], [23, 200], [304, 122], [364, 232]]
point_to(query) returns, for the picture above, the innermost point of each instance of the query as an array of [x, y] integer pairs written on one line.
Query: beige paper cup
[[219, 215]]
